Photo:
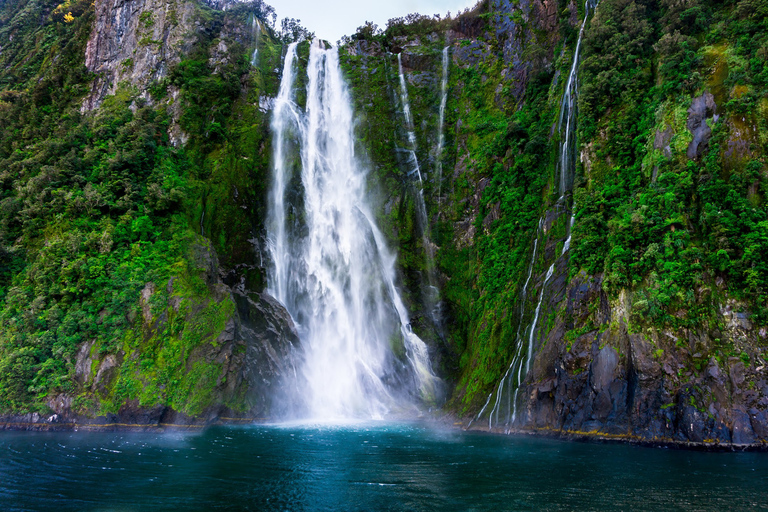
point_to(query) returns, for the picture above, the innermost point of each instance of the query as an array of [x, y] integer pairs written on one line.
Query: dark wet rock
[[272, 349], [658, 385], [759, 421], [131, 412], [417, 62], [701, 109], [743, 433], [603, 370]]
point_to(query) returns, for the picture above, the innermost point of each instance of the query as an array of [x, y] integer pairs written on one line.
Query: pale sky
[[331, 19]]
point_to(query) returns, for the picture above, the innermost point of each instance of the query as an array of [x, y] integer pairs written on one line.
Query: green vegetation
[[680, 236], [670, 227], [93, 207]]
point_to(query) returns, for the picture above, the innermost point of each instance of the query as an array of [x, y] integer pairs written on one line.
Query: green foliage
[[668, 225], [94, 207], [167, 360]]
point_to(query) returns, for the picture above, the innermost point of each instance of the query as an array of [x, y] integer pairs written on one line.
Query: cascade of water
[[331, 267], [431, 291], [286, 124], [567, 164], [517, 358], [440, 123], [255, 32], [406, 106], [568, 109], [568, 112]]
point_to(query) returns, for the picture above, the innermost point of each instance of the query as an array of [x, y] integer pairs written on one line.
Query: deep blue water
[[364, 467]]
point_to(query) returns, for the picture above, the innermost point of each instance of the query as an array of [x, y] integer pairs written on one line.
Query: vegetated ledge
[[595, 436]]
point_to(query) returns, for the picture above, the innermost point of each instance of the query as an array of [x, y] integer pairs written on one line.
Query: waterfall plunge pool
[[364, 466]]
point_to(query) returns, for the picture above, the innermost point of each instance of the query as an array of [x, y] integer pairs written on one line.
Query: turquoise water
[[364, 467]]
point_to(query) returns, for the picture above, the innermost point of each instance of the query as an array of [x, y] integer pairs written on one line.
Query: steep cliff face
[[642, 315], [198, 350], [136, 42], [141, 257]]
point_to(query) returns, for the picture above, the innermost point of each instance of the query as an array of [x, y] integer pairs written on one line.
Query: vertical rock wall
[[136, 42]]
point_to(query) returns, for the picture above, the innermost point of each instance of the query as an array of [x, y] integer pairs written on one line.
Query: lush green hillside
[[667, 261], [97, 205]]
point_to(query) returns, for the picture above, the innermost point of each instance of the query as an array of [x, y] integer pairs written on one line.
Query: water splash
[[331, 267]]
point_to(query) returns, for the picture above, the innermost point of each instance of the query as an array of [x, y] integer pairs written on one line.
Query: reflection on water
[[363, 467]]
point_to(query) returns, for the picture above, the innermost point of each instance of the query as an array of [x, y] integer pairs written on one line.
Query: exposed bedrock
[[653, 384]]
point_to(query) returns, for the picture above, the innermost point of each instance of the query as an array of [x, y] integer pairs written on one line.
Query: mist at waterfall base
[[331, 267], [364, 467]]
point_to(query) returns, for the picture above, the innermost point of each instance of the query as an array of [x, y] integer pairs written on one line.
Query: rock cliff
[[137, 42]]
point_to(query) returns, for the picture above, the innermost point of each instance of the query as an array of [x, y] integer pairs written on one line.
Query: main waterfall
[[331, 267]]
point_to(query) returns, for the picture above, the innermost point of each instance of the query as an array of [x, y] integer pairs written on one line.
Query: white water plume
[[332, 269]]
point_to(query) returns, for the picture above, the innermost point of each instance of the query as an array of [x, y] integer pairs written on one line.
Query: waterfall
[[568, 112], [430, 289], [567, 164], [406, 107], [286, 126], [509, 375], [440, 123], [331, 267], [255, 32]]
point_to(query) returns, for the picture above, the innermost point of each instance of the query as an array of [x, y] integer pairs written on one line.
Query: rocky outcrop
[[272, 350], [136, 42], [655, 385], [250, 356], [701, 110]]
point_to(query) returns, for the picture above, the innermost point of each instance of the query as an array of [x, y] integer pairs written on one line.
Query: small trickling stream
[[503, 413]]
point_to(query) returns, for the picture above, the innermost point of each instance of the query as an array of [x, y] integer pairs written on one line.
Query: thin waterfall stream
[[441, 123], [255, 34], [430, 291], [331, 267], [523, 357]]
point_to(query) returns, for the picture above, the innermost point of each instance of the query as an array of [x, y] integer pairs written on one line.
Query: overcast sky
[[331, 19]]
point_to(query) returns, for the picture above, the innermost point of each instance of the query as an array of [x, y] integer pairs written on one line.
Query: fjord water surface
[[366, 466]]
